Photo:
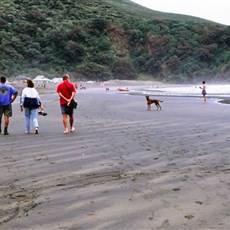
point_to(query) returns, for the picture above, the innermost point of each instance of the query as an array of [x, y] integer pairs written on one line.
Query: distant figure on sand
[[30, 102], [7, 96], [66, 90], [204, 87]]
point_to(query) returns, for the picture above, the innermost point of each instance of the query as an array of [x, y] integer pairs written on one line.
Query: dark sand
[[123, 168]]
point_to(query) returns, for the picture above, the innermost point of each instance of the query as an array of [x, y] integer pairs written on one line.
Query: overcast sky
[[214, 10]]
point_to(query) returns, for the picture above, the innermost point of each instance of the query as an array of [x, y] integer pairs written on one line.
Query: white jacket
[[30, 93]]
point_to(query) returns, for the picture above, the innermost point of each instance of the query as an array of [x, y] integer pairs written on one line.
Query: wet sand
[[123, 168]]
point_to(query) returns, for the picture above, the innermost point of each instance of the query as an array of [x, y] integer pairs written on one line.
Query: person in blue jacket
[[7, 96]]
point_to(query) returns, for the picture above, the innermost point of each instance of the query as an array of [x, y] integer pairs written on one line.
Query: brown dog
[[153, 101]]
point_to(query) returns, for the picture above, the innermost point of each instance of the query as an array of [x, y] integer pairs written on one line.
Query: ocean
[[218, 92]]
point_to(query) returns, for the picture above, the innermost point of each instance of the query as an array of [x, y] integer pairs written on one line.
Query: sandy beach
[[124, 167]]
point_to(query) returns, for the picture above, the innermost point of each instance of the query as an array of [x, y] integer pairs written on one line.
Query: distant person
[[66, 91], [204, 92], [30, 102], [7, 96]]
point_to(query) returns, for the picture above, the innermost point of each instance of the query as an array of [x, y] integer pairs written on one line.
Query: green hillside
[[109, 39]]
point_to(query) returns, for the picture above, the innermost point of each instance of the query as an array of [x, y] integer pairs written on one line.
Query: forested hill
[[109, 39]]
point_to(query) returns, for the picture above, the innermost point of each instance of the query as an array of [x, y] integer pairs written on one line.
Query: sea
[[218, 92]]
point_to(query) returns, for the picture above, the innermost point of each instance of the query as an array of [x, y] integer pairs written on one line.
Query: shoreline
[[143, 87]]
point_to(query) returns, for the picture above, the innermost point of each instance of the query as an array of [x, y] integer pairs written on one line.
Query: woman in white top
[[30, 102]]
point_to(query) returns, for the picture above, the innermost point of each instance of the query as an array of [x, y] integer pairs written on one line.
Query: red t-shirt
[[66, 92]]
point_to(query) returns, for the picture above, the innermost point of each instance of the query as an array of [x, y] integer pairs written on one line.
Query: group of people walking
[[30, 103]]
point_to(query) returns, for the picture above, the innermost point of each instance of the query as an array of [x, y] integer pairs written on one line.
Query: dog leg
[[158, 105]]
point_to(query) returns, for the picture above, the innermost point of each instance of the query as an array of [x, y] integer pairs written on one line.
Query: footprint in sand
[[164, 224], [199, 202], [189, 217], [176, 189]]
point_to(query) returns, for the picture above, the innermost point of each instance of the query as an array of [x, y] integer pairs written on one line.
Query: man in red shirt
[[66, 90]]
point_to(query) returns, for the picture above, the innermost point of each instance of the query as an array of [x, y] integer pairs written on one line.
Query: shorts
[[204, 92], [6, 110], [65, 109]]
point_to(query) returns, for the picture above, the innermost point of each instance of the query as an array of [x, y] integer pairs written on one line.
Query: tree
[[122, 69]]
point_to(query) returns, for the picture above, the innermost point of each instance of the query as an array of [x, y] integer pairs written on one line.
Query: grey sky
[[214, 10]]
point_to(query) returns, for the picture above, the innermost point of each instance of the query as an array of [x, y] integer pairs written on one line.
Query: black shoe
[[6, 132], [42, 113]]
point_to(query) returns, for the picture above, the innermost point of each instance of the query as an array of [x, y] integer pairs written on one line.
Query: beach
[[123, 168]]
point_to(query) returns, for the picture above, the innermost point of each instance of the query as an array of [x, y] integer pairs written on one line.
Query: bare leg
[[65, 122], [71, 121], [6, 125], [204, 99], [6, 121]]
